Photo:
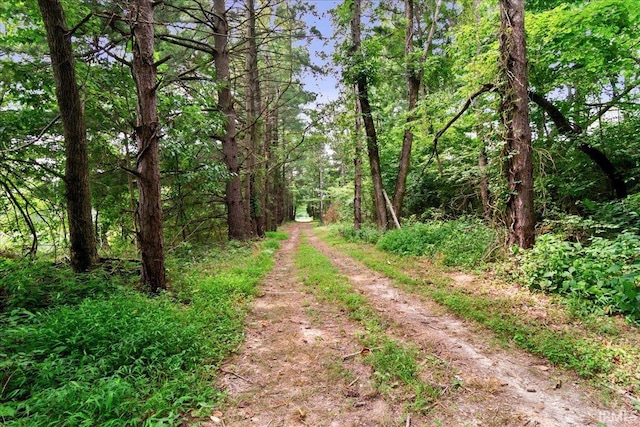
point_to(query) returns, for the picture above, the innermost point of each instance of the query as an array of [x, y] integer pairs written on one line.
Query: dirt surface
[[291, 370]]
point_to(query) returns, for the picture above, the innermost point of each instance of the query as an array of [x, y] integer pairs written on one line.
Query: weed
[[114, 357], [367, 234], [277, 235], [37, 285], [605, 275], [461, 242]]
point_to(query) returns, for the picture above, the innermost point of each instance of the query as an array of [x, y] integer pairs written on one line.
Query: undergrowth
[[394, 364], [461, 242], [84, 350], [464, 242], [604, 274]]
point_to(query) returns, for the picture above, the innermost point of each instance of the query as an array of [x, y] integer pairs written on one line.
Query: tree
[[147, 135], [76, 178], [361, 82], [237, 228], [515, 118], [357, 164], [255, 198], [414, 76]]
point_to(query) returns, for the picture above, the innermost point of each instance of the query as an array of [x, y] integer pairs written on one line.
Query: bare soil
[[292, 369]]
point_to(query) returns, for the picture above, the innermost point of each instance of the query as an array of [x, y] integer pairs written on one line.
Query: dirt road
[[292, 372]]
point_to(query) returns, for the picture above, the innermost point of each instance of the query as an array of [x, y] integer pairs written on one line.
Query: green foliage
[[617, 216], [605, 273], [582, 42], [392, 363], [462, 242], [123, 359], [277, 235], [36, 285], [367, 234]]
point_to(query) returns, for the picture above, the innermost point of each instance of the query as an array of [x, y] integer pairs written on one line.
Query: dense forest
[[497, 136]]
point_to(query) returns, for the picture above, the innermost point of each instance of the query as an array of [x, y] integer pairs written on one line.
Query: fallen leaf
[[542, 367]]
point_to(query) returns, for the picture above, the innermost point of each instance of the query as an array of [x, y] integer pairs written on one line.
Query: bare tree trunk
[[252, 94], [147, 137], [77, 182], [357, 161], [515, 117], [485, 195], [132, 195], [414, 74], [369, 126], [413, 88], [237, 228], [321, 185]]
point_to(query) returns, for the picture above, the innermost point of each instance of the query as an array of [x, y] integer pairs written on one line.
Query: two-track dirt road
[[291, 370]]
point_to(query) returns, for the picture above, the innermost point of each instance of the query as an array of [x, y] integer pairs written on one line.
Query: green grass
[[580, 349], [90, 350], [395, 365]]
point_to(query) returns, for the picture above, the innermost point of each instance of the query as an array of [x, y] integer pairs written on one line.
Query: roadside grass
[[91, 350], [602, 349], [395, 364]]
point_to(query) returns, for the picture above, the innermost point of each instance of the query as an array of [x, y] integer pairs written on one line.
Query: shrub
[[366, 234], [461, 242], [605, 273]]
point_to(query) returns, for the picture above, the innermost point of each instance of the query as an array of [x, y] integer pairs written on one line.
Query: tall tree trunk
[[147, 137], [414, 73], [272, 178], [515, 117], [369, 125], [252, 94], [357, 162], [485, 195], [413, 88], [77, 182], [237, 228]]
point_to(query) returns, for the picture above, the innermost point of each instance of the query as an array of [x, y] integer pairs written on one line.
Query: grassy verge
[[91, 350], [395, 364], [605, 354]]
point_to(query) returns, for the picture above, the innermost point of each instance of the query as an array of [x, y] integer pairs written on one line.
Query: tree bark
[[485, 195], [369, 125], [147, 138], [83, 251], [357, 162], [252, 95], [413, 88], [515, 117], [237, 228], [414, 74]]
